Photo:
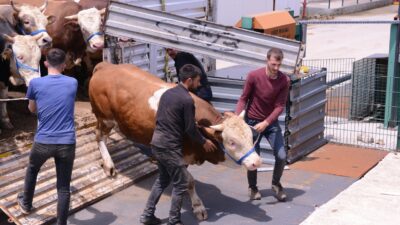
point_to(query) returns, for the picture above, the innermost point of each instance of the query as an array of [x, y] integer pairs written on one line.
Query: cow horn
[[8, 38], [73, 17], [37, 37], [241, 115], [43, 7], [219, 127], [103, 11], [16, 8]]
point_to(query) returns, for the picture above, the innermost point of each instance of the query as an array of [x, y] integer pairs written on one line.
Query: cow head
[[32, 21], [24, 59], [237, 139], [90, 21]]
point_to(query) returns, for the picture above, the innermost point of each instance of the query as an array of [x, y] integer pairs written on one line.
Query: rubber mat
[[341, 160]]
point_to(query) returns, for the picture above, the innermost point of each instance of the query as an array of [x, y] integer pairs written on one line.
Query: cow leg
[[103, 129], [197, 205], [5, 120]]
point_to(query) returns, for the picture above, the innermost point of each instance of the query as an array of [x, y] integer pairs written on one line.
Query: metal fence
[[337, 3], [357, 102]]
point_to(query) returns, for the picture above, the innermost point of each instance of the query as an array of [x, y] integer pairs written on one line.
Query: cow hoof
[[200, 212], [110, 172]]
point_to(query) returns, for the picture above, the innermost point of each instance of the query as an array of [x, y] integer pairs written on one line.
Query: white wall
[[288, 4], [228, 12]]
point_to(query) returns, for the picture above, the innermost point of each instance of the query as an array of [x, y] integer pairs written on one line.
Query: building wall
[[228, 12]]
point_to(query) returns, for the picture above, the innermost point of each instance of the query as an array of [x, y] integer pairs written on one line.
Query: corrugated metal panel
[[306, 115], [89, 182], [187, 8], [202, 37]]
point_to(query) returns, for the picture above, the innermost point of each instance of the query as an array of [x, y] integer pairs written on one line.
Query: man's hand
[[260, 127], [209, 146]]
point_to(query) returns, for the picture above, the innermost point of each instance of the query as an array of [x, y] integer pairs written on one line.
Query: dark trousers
[[171, 168], [273, 133], [64, 156]]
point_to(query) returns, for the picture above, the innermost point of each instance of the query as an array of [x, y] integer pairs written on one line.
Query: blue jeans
[[273, 133], [171, 168], [64, 156]]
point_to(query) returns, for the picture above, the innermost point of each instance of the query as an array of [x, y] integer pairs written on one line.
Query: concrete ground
[[375, 199], [351, 40], [224, 193]]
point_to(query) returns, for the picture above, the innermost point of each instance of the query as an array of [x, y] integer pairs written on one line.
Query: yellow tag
[[4, 155]]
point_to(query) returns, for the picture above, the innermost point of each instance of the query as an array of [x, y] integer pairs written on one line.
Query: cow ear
[[7, 53], [8, 38], [51, 19], [73, 24]]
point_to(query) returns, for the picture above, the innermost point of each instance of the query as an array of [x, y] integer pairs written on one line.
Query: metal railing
[[343, 3], [355, 109]]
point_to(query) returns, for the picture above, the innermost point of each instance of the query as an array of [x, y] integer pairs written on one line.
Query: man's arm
[[190, 124], [30, 94], [32, 106], [244, 98], [193, 132]]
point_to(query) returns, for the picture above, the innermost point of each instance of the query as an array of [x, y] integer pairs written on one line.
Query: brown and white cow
[[75, 30], [23, 58], [127, 97], [26, 19]]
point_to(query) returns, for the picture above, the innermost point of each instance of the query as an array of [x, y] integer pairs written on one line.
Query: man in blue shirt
[[53, 99]]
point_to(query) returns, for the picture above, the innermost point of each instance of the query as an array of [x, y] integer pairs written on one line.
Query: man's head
[[274, 60], [171, 52], [190, 76], [55, 59]]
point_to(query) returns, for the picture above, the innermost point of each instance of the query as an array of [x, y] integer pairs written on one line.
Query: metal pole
[[396, 69], [273, 5], [342, 3], [329, 4], [304, 38], [390, 75], [304, 9], [357, 2]]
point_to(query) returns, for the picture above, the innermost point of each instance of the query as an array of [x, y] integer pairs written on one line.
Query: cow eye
[[20, 57], [26, 22]]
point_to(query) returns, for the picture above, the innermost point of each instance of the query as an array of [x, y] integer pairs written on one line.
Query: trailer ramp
[[89, 182], [198, 36]]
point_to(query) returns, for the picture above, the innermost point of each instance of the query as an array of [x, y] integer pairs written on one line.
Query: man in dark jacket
[[183, 58], [174, 119]]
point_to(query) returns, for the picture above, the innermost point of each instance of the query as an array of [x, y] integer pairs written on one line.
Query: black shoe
[[24, 209], [149, 220], [279, 192], [254, 194]]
